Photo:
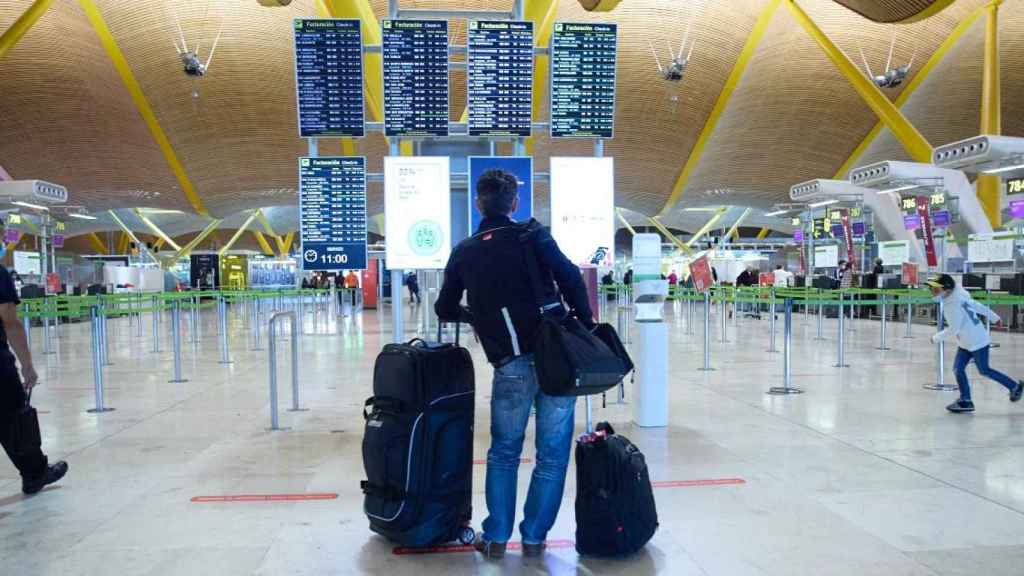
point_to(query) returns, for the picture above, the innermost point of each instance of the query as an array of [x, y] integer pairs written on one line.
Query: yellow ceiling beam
[[191, 245], [919, 78], [262, 241], [543, 14], [668, 234], [734, 232], [710, 224], [738, 69], [238, 233], [286, 244], [160, 244], [97, 243], [156, 230], [625, 222], [122, 243], [23, 24], [92, 12], [989, 187], [131, 237], [270, 231], [908, 136], [763, 233]]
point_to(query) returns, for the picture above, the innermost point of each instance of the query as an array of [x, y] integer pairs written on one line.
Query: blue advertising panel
[[329, 77], [332, 213], [521, 166]]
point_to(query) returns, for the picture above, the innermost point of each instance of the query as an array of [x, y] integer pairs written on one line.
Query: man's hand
[[29, 377]]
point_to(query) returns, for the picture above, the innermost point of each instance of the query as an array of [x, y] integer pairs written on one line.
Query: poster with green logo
[[417, 212]]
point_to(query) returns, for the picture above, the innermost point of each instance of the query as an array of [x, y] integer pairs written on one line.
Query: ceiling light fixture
[[898, 189], [700, 209], [776, 213], [159, 211], [29, 205], [82, 216], [822, 203], [1004, 169]]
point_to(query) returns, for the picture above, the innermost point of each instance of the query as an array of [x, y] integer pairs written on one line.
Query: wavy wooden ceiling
[[891, 10], [66, 117]]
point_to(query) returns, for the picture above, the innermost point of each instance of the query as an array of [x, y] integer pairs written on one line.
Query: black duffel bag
[[573, 361]]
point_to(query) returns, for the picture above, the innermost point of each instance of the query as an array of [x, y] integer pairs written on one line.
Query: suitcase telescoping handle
[[440, 328]]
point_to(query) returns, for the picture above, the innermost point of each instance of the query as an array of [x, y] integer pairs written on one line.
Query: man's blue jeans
[[980, 357], [514, 393]]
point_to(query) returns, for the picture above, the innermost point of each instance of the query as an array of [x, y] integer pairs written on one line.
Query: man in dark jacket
[[18, 433], [509, 273]]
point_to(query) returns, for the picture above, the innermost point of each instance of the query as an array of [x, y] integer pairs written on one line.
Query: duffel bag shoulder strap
[[528, 240]]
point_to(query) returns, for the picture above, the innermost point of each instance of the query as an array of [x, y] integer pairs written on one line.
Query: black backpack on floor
[[615, 510]]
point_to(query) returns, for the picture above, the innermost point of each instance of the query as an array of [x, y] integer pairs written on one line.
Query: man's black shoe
[[961, 406], [53, 474], [1016, 394]]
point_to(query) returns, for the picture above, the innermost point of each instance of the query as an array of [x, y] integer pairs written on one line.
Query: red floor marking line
[[458, 548], [484, 461], [691, 483], [265, 498]]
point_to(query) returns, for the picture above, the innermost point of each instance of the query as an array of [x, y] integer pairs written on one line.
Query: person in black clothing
[[509, 272], [627, 278], [20, 435], [413, 283]]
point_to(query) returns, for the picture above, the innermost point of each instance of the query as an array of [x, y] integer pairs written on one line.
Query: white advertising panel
[[417, 212], [894, 253], [583, 208], [826, 256], [27, 263], [994, 247]]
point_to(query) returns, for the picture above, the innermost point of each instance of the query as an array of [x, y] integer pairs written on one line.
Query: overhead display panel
[[332, 213], [583, 208], [417, 212], [415, 57], [329, 77], [519, 166], [583, 80], [500, 77]]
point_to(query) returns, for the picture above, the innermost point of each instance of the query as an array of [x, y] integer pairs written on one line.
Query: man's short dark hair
[[496, 190]]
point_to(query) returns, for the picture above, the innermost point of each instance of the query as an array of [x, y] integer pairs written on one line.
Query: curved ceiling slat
[[891, 11]]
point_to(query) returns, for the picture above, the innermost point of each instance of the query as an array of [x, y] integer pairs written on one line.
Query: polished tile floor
[[863, 474]]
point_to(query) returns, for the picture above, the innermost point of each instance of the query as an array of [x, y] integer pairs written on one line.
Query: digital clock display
[[1015, 186]]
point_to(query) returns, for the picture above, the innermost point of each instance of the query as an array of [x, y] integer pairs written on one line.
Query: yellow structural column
[[912, 141], [262, 241], [989, 187], [97, 243], [22, 25], [542, 13], [763, 233]]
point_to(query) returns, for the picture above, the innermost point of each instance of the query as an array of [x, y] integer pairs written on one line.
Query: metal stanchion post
[[272, 347], [841, 343], [302, 312], [222, 310], [940, 358], [910, 318], [97, 362], [725, 319], [707, 333], [882, 344], [295, 366], [771, 322], [156, 325], [27, 322], [47, 342], [104, 340], [257, 311], [138, 316], [787, 351], [176, 335], [821, 316], [853, 310], [689, 314]]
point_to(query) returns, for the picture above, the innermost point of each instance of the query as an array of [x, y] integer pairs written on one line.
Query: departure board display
[[332, 213], [329, 77], [500, 78], [415, 77], [583, 80]]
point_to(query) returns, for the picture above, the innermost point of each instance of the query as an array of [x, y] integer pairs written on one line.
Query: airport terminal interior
[[226, 225]]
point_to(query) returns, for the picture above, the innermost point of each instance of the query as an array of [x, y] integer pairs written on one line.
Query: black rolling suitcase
[[615, 510], [418, 444]]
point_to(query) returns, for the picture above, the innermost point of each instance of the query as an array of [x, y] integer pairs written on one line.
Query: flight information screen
[[332, 212], [583, 80], [500, 78], [329, 77], [415, 77]]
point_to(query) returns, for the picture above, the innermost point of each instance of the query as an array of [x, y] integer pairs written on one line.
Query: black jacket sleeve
[[449, 301], [567, 276]]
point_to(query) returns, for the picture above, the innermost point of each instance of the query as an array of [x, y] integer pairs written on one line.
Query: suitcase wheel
[[467, 536]]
